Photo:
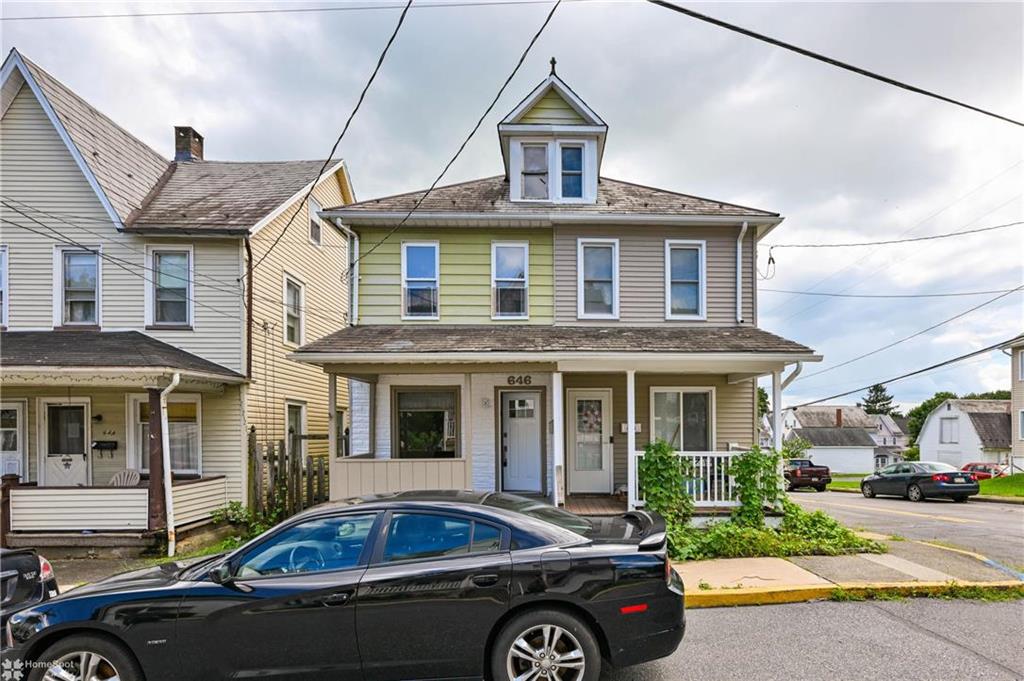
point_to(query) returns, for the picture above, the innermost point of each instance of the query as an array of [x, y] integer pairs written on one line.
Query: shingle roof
[[824, 416], [491, 195], [125, 166], [993, 429], [982, 406], [99, 349], [222, 195], [537, 339], [835, 437]]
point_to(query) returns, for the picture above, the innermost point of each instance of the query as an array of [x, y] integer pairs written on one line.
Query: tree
[[917, 415], [990, 395], [878, 401], [762, 401]]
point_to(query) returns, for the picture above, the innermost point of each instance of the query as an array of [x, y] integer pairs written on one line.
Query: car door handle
[[485, 580], [339, 598]]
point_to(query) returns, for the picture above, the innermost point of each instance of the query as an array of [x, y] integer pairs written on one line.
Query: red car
[[984, 471]]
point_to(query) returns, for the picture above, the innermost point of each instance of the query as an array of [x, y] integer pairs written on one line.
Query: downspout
[[739, 273], [792, 376], [166, 447], [248, 307]]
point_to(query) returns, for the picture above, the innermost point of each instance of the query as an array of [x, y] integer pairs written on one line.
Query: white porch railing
[[710, 484]]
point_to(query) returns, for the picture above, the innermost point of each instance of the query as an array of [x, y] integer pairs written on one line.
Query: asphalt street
[[993, 530], [910, 640]]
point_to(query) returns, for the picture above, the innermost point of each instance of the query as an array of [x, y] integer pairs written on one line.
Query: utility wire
[[913, 335], [462, 146], [911, 374], [829, 60], [888, 242], [362, 95], [886, 295]]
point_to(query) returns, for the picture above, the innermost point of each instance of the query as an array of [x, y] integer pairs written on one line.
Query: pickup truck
[[803, 473]]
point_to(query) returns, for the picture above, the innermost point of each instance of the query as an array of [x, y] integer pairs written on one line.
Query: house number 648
[[520, 380]]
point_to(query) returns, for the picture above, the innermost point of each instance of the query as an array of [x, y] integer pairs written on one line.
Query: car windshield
[[535, 508], [936, 467]]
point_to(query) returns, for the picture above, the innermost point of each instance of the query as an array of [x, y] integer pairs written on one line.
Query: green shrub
[[663, 477], [755, 475]]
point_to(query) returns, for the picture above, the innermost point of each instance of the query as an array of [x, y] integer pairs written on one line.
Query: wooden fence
[[281, 481]]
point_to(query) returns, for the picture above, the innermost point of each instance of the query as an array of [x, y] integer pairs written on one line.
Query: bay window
[[420, 280], [509, 280], [684, 280], [425, 423], [684, 418], [597, 289], [79, 287], [183, 430]]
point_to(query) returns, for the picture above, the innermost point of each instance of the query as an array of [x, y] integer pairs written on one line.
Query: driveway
[[912, 640], [993, 530]]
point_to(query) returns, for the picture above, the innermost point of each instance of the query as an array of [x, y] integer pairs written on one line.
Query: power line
[[911, 374], [462, 146], [929, 237], [362, 95], [913, 335], [886, 295], [829, 60]]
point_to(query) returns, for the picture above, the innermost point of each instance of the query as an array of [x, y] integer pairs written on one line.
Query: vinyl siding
[[321, 269], [1016, 402], [47, 509], [465, 277], [38, 170], [552, 109], [642, 273]]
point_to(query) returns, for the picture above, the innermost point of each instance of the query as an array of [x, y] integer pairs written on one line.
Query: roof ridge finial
[[553, 62]]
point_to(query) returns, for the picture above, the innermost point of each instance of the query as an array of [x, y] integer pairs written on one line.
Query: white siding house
[[959, 432]]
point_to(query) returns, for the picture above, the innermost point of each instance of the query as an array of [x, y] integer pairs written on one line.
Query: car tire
[[867, 490], [914, 493], [820, 488], [575, 639], [112, 659], [960, 498]]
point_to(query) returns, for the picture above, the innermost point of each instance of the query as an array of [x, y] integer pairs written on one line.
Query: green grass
[[845, 484], [1010, 486], [948, 592]]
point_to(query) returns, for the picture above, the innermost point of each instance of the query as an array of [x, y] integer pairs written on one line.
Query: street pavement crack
[[1014, 673]]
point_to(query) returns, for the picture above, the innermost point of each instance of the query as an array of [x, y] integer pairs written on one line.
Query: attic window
[[535, 171], [553, 170]]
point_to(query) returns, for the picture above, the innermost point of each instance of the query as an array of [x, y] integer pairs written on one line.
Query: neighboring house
[[958, 432], [1015, 349], [891, 439], [532, 331], [124, 274], [841, 436]]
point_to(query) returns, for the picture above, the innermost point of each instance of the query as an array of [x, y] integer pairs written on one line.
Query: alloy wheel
[[81, 666], [545, 652]]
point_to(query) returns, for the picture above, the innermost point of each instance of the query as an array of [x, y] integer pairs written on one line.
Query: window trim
[[297, 281], [525, 245], [311, 215], [1020, 354], [5, 278], [956, 422], [702, 307], [712, 415], [436, 245], [58, 285], [135, 456], [522, 170], [304, 410], [554, 145], [581, 243], [151, 285], [393, 419]]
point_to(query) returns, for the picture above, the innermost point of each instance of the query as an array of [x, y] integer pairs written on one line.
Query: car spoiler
[[652, 529]]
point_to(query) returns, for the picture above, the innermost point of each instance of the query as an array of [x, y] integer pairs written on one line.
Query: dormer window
[[553, 170], [572, 171], [535, 171]]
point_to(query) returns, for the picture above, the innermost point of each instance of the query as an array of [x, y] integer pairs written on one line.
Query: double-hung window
[[293, 311], [3, 286], [684, 418], [420, 269], [79, 287], [597, 286], [571, 159], [170, 298], [949, 430], [315, 225], [684, 280], [183, 432], [509, 280], [535, 172]]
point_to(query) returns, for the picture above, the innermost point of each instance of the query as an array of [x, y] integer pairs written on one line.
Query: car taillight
[[798, 473], [940, 477], [974, 477], [45, 570]]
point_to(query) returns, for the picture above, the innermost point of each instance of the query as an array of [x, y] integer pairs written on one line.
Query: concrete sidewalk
[[909, 566]]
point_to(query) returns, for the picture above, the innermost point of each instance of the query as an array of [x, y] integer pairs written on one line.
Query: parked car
[[803, 473], [920, 480], [26, 578], [984, 470], [430, 584]]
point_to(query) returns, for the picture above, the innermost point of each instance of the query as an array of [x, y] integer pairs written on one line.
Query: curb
[[986, 498], [719, 598]]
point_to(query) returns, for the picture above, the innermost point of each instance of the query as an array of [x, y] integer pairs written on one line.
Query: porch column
[[631, 475], [332, 416], [558, 436], [157, 507], [777, 410]]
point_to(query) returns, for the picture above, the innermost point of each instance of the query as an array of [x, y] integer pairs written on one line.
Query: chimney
[[839, 417], [188, 144]]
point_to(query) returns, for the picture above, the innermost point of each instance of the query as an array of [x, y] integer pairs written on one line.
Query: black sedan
[[920, 480], [411, 586], [26, 578]]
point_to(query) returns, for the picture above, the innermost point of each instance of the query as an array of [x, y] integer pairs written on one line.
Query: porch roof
[[126, 352]]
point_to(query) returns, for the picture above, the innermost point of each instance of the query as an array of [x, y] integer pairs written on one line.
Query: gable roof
[[489, 198], [551, 84], [824, 416], [835, 437], [981, 406]]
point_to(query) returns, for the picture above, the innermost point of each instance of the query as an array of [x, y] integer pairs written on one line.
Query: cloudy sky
[[691, 107]]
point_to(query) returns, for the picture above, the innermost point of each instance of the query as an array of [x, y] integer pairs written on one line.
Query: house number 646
[[520, 380]]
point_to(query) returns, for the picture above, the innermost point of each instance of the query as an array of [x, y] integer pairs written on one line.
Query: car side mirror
[[221, 574]]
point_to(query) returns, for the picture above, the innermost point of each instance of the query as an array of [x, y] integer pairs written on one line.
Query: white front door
[[590, 441], [65, 442], [12, 439], [520, 442]]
